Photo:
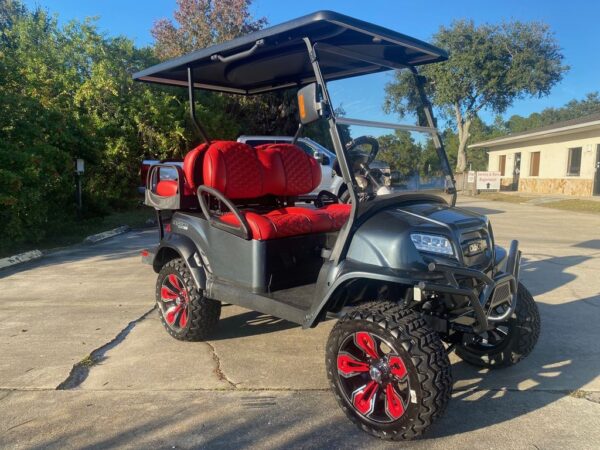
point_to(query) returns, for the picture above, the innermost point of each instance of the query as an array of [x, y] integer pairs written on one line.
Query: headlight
[[432, 243]]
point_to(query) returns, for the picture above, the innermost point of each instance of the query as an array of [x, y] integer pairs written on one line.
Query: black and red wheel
[[184, 311], [388, 370]]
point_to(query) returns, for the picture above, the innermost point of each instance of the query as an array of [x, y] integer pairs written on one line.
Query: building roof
[[585, 123], [277, 57]]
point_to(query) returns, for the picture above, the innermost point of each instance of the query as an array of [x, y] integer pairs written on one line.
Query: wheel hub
[[174, 302], [375, 381], [376, 374]]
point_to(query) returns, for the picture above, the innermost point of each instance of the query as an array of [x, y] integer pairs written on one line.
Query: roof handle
[[240, 55]]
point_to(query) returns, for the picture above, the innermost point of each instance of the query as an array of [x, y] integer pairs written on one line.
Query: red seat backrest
[[192, 167], [290, 171], [234, 169], [242, 172]]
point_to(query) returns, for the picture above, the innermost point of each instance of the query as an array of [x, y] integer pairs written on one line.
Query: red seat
[[339, 213], [302, 175], [192, 170], [167, 188], [242, 172], [283, 222]]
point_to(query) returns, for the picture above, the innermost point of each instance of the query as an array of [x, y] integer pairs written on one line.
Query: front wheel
[[510, 341], [184, 311], [388, 370]]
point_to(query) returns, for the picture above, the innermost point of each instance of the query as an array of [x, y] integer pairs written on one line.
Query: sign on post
[[488, 181], [471, 176]]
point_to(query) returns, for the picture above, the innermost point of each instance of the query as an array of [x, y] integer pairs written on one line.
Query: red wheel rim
[[174, 302], [373, 377]]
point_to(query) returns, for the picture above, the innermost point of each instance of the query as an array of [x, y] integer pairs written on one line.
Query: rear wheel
[[184, 311], [388, 370], [510, 341]]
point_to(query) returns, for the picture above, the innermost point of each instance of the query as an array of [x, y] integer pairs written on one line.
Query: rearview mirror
[[309, 104]]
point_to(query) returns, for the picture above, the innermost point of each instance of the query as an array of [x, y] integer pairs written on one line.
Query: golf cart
[[409, 276]]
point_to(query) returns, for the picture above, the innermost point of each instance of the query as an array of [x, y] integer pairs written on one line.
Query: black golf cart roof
[[277, 58]]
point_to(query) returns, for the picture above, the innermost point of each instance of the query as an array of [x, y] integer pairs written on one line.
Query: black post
[[79, 196], [197, 125]]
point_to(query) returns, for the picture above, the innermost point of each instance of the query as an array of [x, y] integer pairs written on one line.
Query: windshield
[[386, 155]]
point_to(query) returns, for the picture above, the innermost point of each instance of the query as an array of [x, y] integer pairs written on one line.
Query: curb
[[37, 254], [20, 258], [106, 234]]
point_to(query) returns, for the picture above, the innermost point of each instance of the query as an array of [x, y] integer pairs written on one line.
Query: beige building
[[563, 158]]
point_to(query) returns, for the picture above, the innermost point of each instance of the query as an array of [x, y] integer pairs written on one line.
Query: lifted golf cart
[[409, 276]]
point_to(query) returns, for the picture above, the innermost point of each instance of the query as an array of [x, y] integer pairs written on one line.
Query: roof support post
[[199, 129], [342, 242]]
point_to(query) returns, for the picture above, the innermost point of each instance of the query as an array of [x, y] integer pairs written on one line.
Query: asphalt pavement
[[85, 362]]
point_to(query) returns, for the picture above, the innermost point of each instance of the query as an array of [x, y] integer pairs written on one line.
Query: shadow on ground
[[114, 249]]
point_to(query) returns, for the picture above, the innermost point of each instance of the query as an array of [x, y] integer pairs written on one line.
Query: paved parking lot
[[260, 382]]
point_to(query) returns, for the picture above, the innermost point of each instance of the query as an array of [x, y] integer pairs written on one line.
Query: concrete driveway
[[260, 382]]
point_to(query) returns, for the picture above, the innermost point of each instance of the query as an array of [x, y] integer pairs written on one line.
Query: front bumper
[[495, 290]]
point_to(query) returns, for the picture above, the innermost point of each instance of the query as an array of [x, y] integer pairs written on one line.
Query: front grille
[[501, 294]]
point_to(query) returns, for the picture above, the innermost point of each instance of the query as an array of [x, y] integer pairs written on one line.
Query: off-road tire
[[203, 313], [425, 359], [524, 331]]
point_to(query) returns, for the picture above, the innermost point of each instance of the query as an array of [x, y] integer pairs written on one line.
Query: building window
[[534, 165], [502, 164], [574, 163]]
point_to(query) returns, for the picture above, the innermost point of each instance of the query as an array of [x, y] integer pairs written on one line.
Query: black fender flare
[[313, 318], [176, 245]]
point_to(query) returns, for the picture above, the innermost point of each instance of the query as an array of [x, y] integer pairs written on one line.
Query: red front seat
[[302, 175], [240, 172]]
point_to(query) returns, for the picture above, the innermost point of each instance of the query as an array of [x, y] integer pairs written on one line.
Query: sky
[[575, 24]]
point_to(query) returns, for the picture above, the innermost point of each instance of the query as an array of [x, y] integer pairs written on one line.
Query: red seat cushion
[[283, 222], [339, 213], [166, 188]]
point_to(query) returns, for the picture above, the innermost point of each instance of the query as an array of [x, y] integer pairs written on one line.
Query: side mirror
[[323, 159], [309, 104]]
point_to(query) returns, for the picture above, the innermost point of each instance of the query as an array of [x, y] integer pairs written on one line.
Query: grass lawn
[[575, 205], [75, 232], [500, 197], [568, 204]]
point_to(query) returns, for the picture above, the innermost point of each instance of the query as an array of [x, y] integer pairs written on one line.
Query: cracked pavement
[[80, 319]]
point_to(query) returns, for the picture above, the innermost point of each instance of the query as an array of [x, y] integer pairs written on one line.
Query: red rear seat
[[192, 169], [242, 172]]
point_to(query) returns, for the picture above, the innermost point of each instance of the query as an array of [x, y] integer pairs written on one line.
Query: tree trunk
[[461, 157], [462, 124]]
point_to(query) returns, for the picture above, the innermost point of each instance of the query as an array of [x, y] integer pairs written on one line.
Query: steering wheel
[[361, 140]]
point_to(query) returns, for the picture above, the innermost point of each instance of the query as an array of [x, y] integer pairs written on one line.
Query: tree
[[572, 110], [490, 66], [203, 23], [66, 92]]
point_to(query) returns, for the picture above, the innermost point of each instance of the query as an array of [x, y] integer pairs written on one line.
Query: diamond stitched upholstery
[[233, 169], [241, 172], [292, 172], [338, 212]]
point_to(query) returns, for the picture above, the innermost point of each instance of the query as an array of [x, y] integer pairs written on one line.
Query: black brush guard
[[486, 297]]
